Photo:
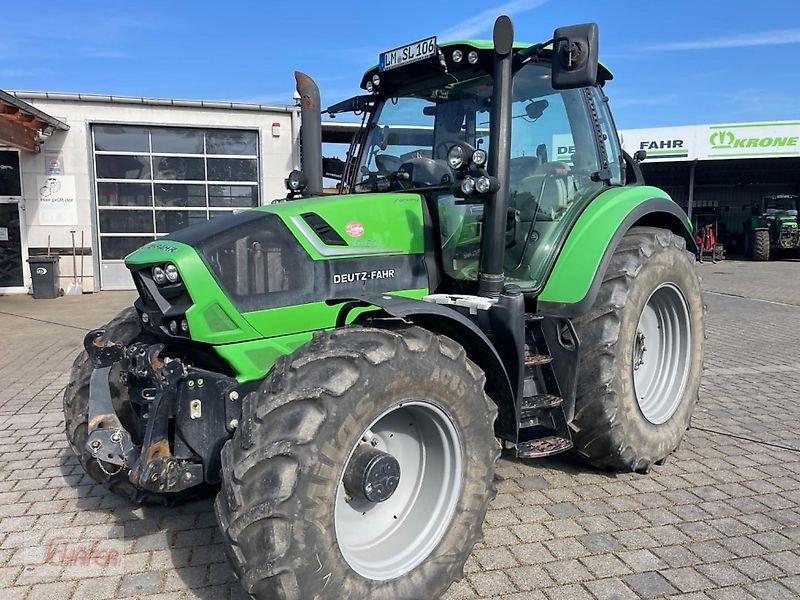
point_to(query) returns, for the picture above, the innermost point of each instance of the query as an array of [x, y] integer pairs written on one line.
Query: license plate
[[408, 54]]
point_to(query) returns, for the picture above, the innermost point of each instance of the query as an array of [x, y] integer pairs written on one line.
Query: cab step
[[536, 360], [546, 446], [532, 405]]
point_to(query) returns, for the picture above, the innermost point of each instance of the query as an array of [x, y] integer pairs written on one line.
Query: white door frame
[[23, 231]]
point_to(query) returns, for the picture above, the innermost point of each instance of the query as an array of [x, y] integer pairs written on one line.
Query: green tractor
[[494, 275], [772, 229]]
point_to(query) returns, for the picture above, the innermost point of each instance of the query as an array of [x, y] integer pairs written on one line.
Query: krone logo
[[721, 139]]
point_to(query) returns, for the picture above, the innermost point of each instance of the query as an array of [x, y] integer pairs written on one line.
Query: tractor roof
[[485, 52]]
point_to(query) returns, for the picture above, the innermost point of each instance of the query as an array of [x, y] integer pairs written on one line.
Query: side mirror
[[332, 167], [574, 56], [639, 156]]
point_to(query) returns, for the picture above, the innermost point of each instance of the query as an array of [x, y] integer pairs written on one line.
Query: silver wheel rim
[[662, 351], [384, 540]]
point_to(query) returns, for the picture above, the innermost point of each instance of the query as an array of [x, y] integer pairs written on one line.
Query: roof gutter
[[142, 101]]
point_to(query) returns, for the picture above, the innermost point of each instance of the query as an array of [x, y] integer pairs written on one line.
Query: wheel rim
[[383, 540], [662, 353]]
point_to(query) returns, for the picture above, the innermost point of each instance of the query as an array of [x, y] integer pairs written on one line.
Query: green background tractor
[[773, 227], [494, 275]]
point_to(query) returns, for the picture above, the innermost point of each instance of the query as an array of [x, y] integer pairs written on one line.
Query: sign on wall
[[737, 140], [663, 143], [563, 147], [750, 140], [57, 202]]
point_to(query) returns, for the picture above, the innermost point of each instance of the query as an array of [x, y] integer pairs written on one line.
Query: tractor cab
[[782, 205], [429, 127]]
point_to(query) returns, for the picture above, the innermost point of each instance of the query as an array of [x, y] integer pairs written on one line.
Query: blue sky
[[676, 62]]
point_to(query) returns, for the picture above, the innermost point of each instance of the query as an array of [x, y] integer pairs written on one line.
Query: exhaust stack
[[310, 132], [490, 275]]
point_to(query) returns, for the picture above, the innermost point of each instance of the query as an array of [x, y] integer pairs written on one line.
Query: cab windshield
[[781, 205], [553, 166]]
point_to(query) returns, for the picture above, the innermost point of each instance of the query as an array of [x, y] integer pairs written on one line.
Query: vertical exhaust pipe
[[310, 132], [490, 275]]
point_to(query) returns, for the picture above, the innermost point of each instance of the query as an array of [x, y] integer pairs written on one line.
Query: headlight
[[472, 57], [296, 181], [479, 158], [159, 276], [173, 327], [184, 326], [171, 271], [457, 56], [369, 87], [456, 157], [376, 79], [467, 185], [484, 184]]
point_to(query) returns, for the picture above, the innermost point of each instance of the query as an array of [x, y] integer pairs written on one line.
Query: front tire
[[294, 530], [642, 347], [761, 245]]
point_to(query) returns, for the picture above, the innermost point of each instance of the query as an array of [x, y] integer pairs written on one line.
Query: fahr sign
[[751, 140], [664, 143]]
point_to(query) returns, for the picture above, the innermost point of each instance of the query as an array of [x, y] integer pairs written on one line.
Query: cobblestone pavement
[[720, 520]]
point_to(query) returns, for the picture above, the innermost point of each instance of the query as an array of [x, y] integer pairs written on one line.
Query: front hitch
[[155, 468], [108, 441]]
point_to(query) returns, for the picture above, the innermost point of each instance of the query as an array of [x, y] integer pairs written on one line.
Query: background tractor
[[773, 227], [347, 368]]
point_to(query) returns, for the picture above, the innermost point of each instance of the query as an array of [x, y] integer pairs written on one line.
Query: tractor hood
[[217, 282], [787, 220]]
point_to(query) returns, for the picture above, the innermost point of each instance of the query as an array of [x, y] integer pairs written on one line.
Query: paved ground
[[720, 520]]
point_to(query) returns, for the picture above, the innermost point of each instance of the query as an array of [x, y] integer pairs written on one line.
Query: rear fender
[[445, 321], [575, 280]]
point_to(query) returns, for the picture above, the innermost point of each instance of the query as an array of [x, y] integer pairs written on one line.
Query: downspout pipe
[[490, 276], [690, 203], [310, 132]]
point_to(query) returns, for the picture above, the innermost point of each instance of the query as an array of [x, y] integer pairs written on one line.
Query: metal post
[[691, 189], [490, 275]]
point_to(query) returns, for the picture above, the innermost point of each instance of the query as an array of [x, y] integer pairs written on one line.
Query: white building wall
[[74, 150]]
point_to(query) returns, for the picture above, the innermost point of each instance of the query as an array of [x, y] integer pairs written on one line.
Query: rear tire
[[761, 244], [290, 532], [124, 329], [630, 414]]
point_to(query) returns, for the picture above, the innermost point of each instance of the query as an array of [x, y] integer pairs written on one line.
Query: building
[[120, 171], [716, 172], [116, 172]]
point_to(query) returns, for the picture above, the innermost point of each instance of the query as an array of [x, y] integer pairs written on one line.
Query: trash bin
[[44, 273]]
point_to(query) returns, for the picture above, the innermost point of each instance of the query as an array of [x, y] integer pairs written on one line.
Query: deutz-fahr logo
[[723, 139]]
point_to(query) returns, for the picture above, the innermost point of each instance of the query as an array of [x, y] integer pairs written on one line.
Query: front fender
[[445, 321], [578, 272]]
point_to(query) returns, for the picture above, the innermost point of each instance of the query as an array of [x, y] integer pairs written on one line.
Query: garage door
[[151, 181]]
